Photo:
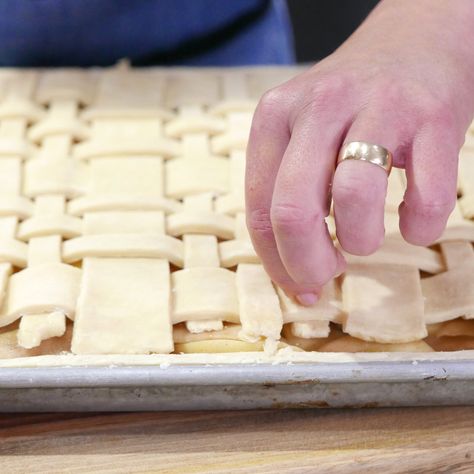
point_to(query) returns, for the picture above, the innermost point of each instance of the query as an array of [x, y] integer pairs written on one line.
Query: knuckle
[[328, 86], [271, 110], [260, 225], [270, 103], [438, 112], [388, 92], [322, 93], [292, 219]]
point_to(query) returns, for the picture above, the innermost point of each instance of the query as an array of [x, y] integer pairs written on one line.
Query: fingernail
[[307, 299]]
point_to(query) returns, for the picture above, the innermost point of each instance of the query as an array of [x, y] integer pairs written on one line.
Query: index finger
[[300, 200], [269, 137]]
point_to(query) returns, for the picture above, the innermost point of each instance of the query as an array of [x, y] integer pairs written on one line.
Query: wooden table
[[304, 441]]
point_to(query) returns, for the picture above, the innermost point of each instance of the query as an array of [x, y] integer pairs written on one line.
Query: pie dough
[[383, 303], [122, 231], [110, 288]]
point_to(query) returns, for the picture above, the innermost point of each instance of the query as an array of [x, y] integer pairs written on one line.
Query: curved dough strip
[[398, 252], [237, 134], [39, 226], [231, 106], [164, 147], [19, 108], [123, 222], [119, 202], [233, 252], [41, 288], [228, 142], [108, 113], [203, 294], [13, 251], [207, 124], [200, 222], [231, 204], [48, 127], [18, 206], [15, 147], [124, 245]]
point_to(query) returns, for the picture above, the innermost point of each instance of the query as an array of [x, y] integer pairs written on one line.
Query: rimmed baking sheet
[[235, 381]]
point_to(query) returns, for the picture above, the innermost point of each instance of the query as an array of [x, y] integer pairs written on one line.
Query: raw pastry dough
[[122, 206], [35, 328], [123, 307], [383, 303], [259, 308], [449, 295]]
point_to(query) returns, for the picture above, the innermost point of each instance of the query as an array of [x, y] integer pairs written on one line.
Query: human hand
[[405, 81]]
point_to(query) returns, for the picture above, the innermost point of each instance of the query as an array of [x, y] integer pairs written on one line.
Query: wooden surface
[[304, 441]]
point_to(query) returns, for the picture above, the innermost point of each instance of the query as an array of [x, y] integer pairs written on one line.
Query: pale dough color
[[122, 232]]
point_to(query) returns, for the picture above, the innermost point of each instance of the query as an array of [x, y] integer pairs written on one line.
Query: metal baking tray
[[353, 382]]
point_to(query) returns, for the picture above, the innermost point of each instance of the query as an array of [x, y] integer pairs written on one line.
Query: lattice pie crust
[[122, 229]]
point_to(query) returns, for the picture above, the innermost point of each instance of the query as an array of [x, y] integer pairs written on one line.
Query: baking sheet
[[117, 383]]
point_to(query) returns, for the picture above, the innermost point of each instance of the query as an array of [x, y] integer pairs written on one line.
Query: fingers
[[359, 188], [269, 137], [431, 184], [300, 200], [359, 192]]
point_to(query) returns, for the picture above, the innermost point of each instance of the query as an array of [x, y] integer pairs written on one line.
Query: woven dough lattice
[[122, 229]]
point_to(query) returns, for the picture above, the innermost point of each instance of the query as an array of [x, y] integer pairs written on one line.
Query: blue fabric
[[100, 32]]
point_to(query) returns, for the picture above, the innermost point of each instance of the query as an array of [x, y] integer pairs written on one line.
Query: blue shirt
[[100, 32]]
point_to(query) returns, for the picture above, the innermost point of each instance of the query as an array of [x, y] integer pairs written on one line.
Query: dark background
[[320, 26]]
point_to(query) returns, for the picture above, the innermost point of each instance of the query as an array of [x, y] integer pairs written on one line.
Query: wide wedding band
[[363, 151]]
